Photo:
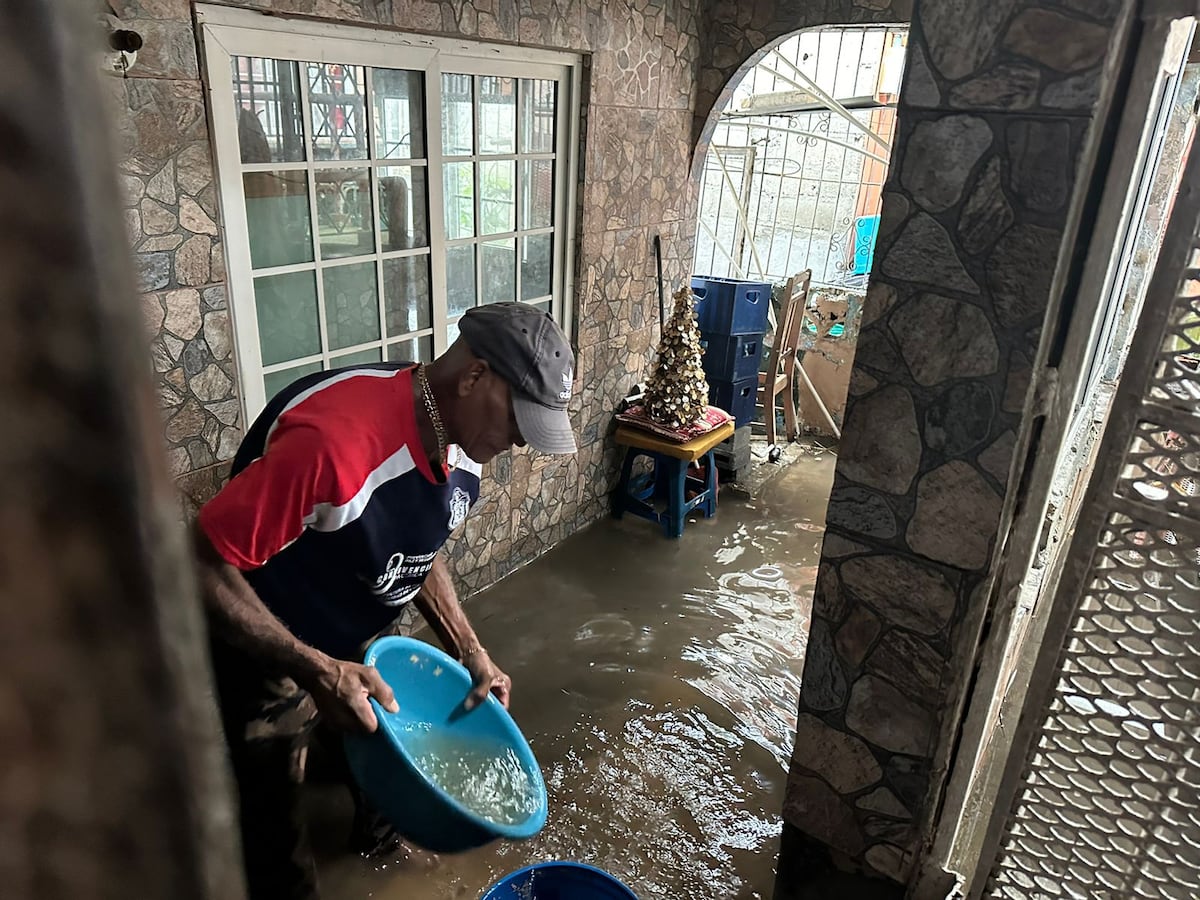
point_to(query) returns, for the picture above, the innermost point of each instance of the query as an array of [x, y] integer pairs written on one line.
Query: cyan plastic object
[[866, 229], [836, 330], [559, 881], [430, 689]]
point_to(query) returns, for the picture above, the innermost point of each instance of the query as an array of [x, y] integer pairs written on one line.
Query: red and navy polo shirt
[[333, 513]]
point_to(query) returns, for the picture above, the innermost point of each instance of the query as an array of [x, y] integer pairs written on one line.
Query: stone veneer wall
[[997, 100], [639, 110]]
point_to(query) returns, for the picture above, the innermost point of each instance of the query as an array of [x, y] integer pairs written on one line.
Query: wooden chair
[[781, 364]]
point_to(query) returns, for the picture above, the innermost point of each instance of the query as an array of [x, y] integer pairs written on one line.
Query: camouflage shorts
[[268, 721]]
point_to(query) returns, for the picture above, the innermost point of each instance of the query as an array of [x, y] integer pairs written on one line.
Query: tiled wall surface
[[638, 106]]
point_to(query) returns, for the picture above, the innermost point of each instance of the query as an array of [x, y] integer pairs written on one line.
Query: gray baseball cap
[[528, 350]]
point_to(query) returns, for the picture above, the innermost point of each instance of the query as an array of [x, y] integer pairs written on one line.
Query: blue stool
[[669, 480]]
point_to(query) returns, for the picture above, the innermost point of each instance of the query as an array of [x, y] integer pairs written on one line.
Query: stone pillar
[[113, 781], [996, 105]]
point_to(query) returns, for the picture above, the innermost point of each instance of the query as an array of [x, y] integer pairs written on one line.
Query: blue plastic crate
[[731, 306], [737, 398], [731, 357]]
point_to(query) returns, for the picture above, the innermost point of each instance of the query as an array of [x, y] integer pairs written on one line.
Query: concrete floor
[[657, 682]]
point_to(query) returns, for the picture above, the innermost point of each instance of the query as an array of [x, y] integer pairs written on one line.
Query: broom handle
[[662, 306]]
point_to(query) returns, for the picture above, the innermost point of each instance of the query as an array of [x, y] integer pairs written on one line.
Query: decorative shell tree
[[677, 392]]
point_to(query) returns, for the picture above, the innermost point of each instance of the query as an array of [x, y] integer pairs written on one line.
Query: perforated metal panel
[[1108, 804]]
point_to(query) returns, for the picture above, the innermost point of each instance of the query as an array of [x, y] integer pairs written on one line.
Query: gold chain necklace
[[435, 415]]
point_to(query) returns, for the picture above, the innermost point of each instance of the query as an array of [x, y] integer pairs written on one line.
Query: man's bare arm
[[239, 616], [438, 603]]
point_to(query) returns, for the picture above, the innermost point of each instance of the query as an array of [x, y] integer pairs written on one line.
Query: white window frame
[[228, 32]]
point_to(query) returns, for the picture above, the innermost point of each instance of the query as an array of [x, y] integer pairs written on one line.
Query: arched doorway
[[792, 180], [793, 175]]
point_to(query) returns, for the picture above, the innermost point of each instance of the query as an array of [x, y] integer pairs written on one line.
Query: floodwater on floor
[[657, 682]]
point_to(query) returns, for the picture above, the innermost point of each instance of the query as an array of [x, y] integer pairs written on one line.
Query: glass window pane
[[537, 193], [288, 327], [399, 113], [544, 306], [351, 305], [535, 266], [277, 218], [498, 260], [357, 358], [403, 208], [497, 115], [458, 115], [344, 212], [415, 350], [497, 197], [277, 381], [266, 93], [539, 108], [406, 294], [451, 333], [459, 199], [460, 279], [335, 99]]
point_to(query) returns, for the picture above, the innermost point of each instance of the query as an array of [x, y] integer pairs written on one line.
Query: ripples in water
[[657, 682]]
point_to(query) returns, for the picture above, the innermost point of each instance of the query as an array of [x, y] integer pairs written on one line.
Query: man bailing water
[[343, 493]]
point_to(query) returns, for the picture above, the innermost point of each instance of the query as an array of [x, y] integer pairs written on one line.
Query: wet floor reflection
[[657, 682]]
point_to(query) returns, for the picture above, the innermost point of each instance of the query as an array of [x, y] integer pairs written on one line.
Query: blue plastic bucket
[[430, 688], [559, 881]]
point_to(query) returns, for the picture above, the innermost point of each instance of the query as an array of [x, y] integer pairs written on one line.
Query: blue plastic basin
[[559, 881], [430, 688]]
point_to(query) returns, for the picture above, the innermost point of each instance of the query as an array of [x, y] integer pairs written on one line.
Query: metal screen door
[[1105, 803]]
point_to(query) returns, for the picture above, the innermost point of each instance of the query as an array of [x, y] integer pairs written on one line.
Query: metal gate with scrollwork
[[1105, 801], [794, 176]]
